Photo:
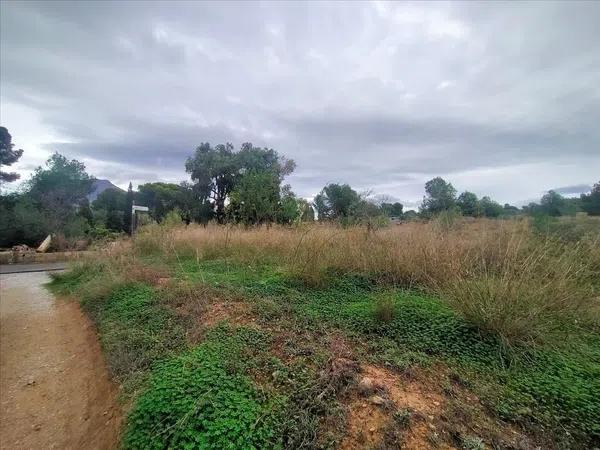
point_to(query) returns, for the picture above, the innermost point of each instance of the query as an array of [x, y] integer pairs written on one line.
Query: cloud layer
[[501, 99]]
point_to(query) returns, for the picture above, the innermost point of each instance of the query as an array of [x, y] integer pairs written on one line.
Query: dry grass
[[498, 274]]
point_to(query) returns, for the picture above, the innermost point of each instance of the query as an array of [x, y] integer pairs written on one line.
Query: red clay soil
[[54, 385]]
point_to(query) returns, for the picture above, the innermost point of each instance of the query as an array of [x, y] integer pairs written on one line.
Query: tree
[[8, 156], [590, 203], [510, 210], [60, 189], [552, 203], [392, 209], [216, 171], [160, 198], [127, 211], [440, 196], [193, 206], [411, 214], [113, 203], [256, 198], [289, 206], [336, 201], [490, 207], [469, 204]]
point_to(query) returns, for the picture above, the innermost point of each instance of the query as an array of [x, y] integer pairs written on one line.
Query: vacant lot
[[465, 334]]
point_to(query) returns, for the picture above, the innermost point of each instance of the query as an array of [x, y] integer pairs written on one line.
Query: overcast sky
[[502, 99]]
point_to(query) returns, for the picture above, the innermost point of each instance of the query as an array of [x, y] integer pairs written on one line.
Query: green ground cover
[[231, 388]]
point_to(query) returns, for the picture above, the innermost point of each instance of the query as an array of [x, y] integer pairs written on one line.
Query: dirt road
[[54, 386]]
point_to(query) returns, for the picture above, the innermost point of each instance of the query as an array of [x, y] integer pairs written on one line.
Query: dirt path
[[54, 386]]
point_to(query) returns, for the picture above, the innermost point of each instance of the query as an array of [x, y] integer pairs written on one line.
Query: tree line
[[227, 186]]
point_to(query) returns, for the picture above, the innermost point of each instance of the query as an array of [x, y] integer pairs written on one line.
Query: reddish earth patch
[[368, 421], [235, 312]]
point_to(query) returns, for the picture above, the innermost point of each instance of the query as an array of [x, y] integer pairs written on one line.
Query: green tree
[[469, 204], [8, 156], [336, 201], [552, 204], [392, 209], [21, 221], [216, 171], [113, 202], [490, 207], [590, 203], [160, 198], [60, 190], [194, 206], [289, 206], [411, 214], [256, 198], [440, 196], [510, 210]]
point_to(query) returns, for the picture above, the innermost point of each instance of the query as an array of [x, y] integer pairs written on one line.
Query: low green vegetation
[[205, 399], [273, 372]]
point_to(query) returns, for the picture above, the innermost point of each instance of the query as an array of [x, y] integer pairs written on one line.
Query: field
[[448, 334]]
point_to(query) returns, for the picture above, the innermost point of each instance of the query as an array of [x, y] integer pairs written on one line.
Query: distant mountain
[[98, 187]]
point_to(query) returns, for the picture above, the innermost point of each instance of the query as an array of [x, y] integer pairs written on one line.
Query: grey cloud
[[574, 190], [351, 91]]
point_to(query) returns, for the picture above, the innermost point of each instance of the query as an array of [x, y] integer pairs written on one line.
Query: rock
[[30, 382], [45, 245], [377, 400], [36, 427], [366, 386]]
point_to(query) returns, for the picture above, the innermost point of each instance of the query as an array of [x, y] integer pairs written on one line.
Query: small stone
[[436, 403], [366, 386], [376, 400], [372, 429], [36, 427], [30, 382], [105, 413]]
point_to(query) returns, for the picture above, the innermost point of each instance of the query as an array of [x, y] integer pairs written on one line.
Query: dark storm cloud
[[499, 97]]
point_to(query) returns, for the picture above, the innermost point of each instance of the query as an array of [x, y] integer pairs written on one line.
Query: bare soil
[[55, 390]]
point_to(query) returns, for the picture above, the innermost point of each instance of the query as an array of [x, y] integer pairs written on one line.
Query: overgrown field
[[447, 334]]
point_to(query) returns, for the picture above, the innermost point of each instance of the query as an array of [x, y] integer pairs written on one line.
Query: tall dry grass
[[498, 274]]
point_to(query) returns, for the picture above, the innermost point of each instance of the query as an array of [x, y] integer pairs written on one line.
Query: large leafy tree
[[217, 171], [590, 203], [256, 198], [8, 156], [60, 189], [110, 206], [440, 196], [392, 209], [336, 201], [490, 207], [553, 203], [160, 198], [469, 204]]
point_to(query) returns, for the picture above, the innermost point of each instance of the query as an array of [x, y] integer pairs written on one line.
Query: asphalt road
[[34, 267]]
